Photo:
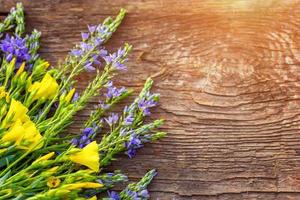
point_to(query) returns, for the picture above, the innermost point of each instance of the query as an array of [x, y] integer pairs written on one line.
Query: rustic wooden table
[[228, 73]]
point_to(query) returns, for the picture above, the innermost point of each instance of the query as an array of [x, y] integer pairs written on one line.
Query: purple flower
[[129, 120], [15, 47], [113, 92], [76, 52], [90, 46], [113, 195], [85, 138], [85, 36], [144, 194], [75, 97], [133, 143], [98, 41], [131, 153], [75, 142], [132, 194], [89, 67], [112, 119], [86, 46], [103, 52], [115, 59], [92, 29], [103, 105], [103, 30], [88, 131], [147, 102]]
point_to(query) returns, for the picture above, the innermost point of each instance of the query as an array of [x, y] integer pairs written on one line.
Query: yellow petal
[[93, 198], [17, 111], [47, 88], [70, 95], [32, 138], [53, 169], [3, 94], [82, 185], [21, 69], [24, 135], [88, 156], [46, 64], [45, 157], [15, 133], [53, 182]]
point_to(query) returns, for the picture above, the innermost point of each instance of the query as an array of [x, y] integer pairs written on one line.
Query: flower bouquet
[[38, 158]]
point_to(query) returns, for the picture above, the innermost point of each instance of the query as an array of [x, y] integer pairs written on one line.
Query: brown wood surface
[[228, 73]]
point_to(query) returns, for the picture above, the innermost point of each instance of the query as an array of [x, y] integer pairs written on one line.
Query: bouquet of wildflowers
[[38, 158]]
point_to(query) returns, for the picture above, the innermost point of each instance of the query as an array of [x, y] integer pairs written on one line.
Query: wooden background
[[228, 73]]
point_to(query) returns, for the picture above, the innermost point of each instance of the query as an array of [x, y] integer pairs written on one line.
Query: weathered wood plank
[[228, 72]]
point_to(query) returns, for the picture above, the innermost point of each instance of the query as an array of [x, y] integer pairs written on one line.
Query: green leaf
[[6, 176]]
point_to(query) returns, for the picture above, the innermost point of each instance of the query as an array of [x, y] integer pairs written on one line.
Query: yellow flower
[[70, 95], [3, 94], [53, 169], [53, 182], [75, 186], [88, 156], [47, 88], [21, 69], [24, 135], [45, 157], [44, 65], [17, 111], [93, 198], [15, 133]]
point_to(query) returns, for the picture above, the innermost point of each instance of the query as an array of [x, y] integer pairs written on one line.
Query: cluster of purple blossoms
[[114, 92], [132, 145], [147, 102], [115, 59], [15, 47], [109, 179], [111, 94], [113, 195], [129, 116], [84, 139], [129, 119], [112, 119], [92, 41], [140, 195], [135, 191]]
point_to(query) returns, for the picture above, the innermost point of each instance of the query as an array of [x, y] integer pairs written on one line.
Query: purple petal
[[92, 29], [85, 36]]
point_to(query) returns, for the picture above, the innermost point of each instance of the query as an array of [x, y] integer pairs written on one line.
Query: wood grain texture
[[228, 73]]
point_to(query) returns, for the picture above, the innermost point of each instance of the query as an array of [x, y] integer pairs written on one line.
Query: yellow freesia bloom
[[3, 94], [17, 111], [47, 88], [45, 157], [88, 156], [15, 133], [53, 169], [24, 135], [53, 182], [75, 186], [70, 95], [21, 69]]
